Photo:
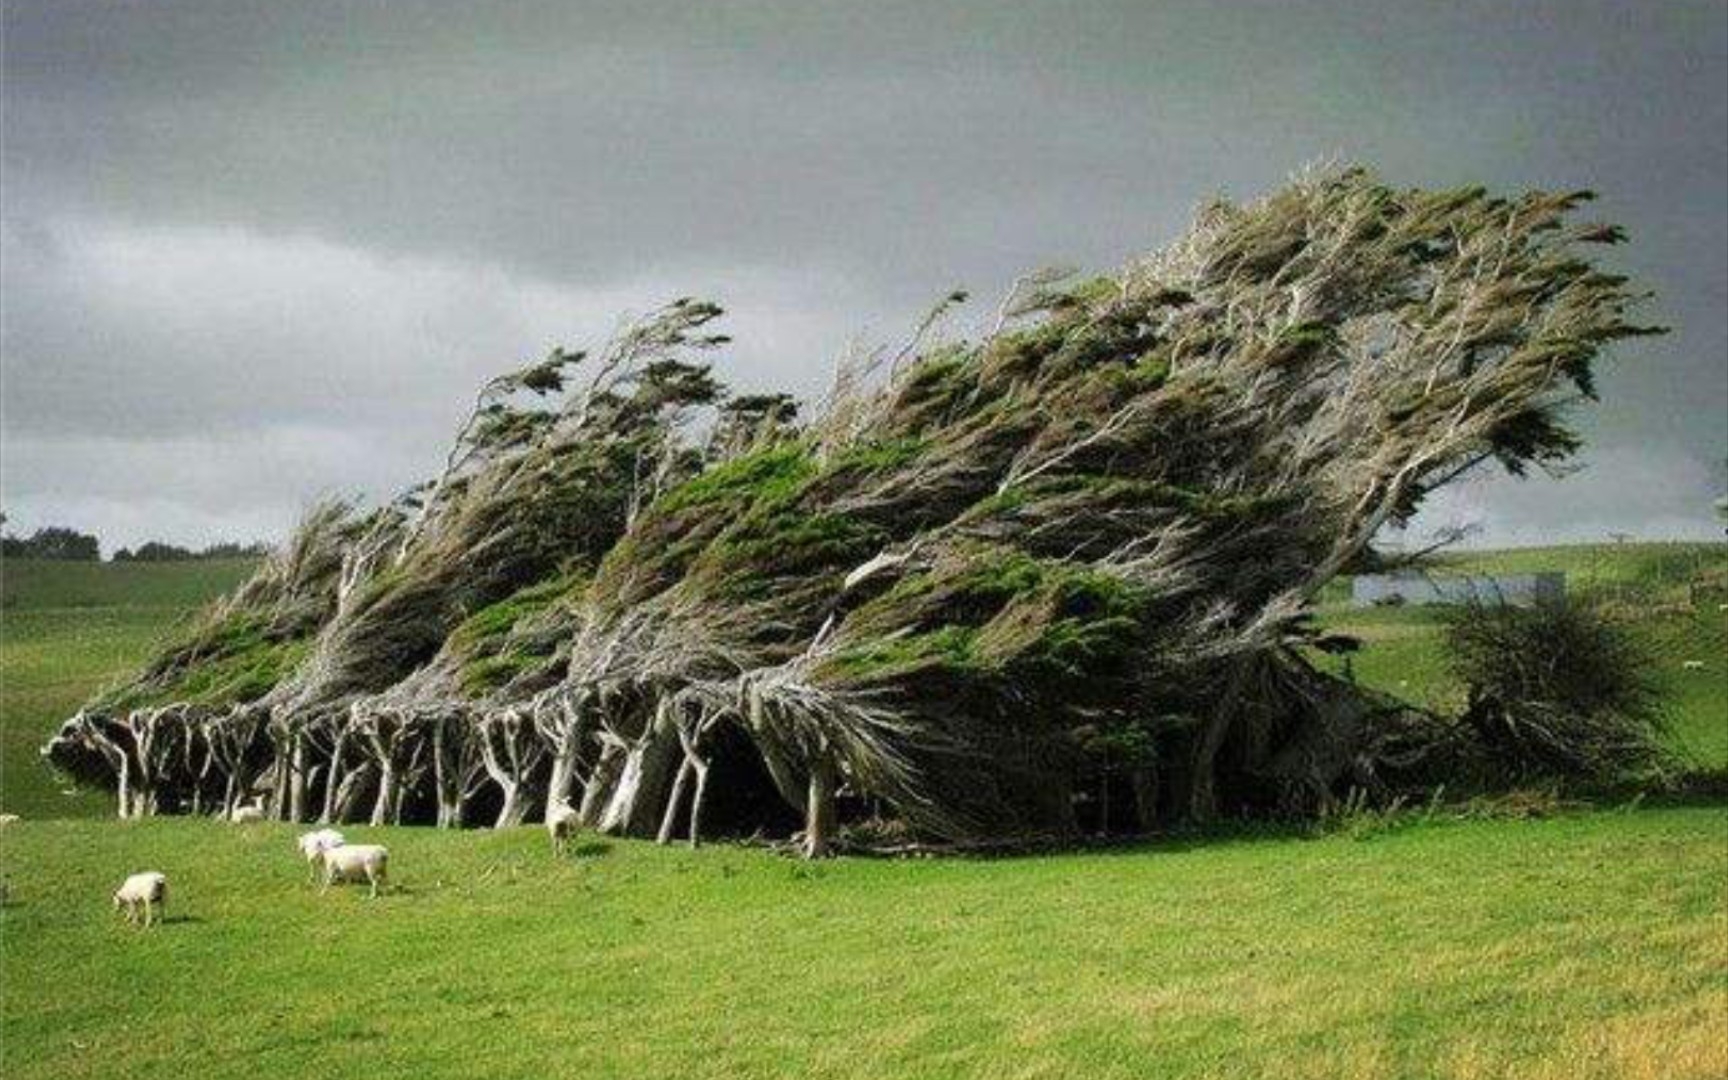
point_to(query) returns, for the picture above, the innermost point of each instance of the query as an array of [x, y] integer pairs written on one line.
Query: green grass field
[[1587, 945], [66, 630], [1593, 943]]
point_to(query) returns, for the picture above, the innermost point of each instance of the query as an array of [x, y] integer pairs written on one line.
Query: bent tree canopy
[[1057, 577]]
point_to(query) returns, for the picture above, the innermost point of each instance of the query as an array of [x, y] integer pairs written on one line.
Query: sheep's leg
[[149, 912]]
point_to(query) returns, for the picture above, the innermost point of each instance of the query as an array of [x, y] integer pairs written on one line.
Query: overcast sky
[[255, 252]]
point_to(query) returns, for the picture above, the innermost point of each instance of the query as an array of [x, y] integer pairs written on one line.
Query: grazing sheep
[[245, 815], [1692, 665], [9, 819], [313, 844], [561, 826], [149, 890], [355, 862]]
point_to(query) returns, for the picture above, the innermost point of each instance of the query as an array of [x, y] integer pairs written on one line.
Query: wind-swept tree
[[1055, 578]]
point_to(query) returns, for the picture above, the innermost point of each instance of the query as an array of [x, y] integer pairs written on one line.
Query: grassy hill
[[68, 628], [52, 585], [1587, 943], [1647, 584]]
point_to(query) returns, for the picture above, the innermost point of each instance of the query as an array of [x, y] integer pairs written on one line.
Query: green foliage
[[1073, 626], [773, 474], [1151, 371], [1019, 353], [1296, 344], [1094, 291], [53, 542], [496, 644], [773, 542], [946, 646], [489, 672], [239, 677], [486, 627], [882, 455], [1557, 690], [992, 614], [233, 660]]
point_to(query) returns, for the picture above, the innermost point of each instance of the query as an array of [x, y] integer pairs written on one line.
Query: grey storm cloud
[[256, 252]]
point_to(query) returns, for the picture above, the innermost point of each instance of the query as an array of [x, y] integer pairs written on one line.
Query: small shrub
[[1557, 690]]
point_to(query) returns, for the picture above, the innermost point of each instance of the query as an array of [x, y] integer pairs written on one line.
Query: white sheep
[[147, 889], [560, 825], [355, 862], [313, 844], [245, 815], [10, 819]]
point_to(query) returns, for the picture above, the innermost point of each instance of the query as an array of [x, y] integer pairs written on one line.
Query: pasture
[[1493, 941]]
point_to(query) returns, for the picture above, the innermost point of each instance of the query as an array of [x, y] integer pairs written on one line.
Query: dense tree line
[[52, 542], [158, 551], [60, 542]]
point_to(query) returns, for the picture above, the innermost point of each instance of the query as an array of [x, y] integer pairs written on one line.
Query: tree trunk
[[641, 785], [696, 802], [353, 787], [600, 784], [297, 778], [564, 757], [819, 811], [449, 808], [123, 791], [669, 819], [333, 786], [386, 800], [1145, 783], [515, 808], [278, 784], [1202, 802]]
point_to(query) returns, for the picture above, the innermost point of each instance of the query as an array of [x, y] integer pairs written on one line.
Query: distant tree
[[751, 421], [159, 551], [53, 542], [228, 549]]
